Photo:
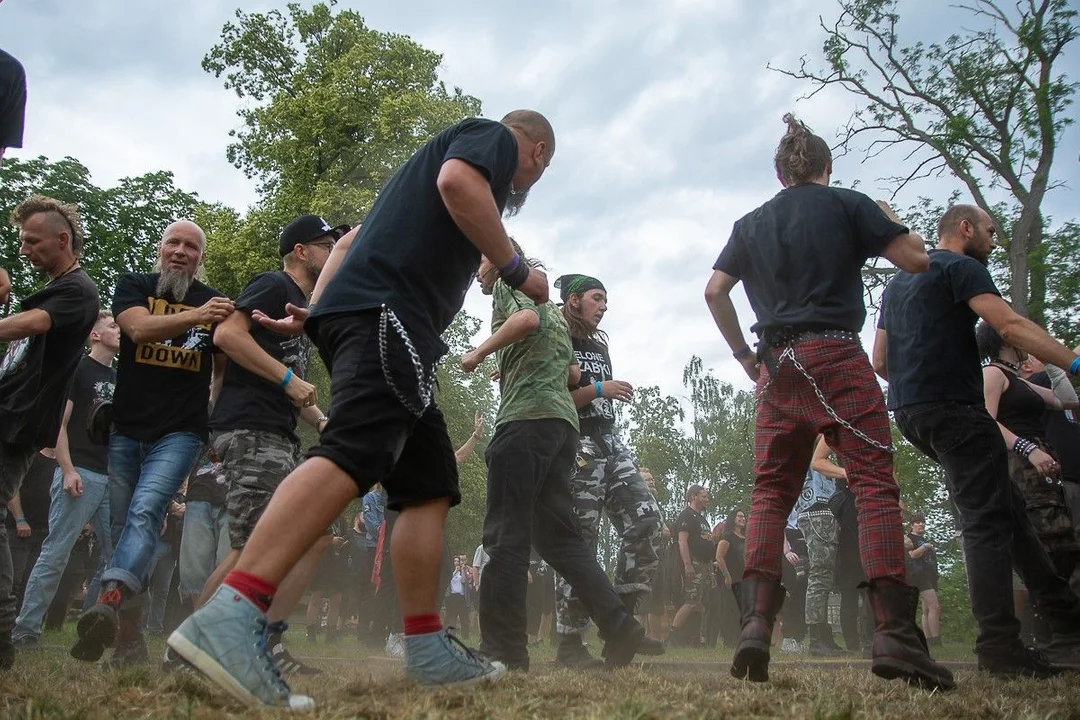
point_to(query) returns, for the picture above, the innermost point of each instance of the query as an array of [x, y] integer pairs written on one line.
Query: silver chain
[[789, 353], [425, 378]]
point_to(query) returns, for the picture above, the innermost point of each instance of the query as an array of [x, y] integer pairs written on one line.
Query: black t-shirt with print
[[12, 101], [595, 362], [800, 256], [208, 483], [247, 401], [700, 542], [931, 352], [93, 381], [410, 254], [36, 372], [162, 387]]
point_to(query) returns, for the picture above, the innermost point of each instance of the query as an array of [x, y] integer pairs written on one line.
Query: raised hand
[[292, 324]]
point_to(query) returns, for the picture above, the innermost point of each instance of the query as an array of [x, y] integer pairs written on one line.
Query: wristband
[[288, 378], [20, 520], [1074, 366], [1024, 447], [515, 272], [599, 389], [741, 355]]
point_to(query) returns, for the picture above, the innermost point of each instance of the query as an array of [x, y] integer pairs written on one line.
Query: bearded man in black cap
[[253, 424], [607, 479]]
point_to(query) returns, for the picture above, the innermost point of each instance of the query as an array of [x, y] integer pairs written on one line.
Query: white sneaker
[[395, 645], [790, 645]]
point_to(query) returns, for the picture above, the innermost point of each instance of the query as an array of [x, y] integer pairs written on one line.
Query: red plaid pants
[[789, 418]]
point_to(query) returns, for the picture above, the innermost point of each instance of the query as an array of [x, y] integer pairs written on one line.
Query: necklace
[[1012, 366], [70, 268]]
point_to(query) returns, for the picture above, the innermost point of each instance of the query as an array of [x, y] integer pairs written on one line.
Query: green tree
[[987, 106], [335, 107], [123, 223]]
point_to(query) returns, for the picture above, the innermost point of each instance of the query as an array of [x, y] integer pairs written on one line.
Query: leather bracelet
[[1024, 447], [515, 272]]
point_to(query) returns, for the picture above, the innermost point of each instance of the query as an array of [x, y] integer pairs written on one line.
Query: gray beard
[[174, 284], [515, 202]]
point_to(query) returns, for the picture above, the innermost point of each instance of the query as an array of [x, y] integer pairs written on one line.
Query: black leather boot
[[760, 599], [900, 649]]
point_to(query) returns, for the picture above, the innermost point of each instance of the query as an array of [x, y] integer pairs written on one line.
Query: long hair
[[801, 155]]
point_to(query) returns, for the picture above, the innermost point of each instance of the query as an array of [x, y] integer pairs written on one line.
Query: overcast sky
[[665, 114]]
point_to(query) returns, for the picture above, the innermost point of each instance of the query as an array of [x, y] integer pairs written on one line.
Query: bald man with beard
[[160, 425]]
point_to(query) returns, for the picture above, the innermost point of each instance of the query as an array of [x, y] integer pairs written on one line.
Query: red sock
[[255, 589], [422, 624]]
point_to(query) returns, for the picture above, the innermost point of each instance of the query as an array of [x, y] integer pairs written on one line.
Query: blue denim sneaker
[[439, 658], [225, 640]]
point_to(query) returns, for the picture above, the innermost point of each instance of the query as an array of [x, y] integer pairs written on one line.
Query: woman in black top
[[923, 574], [1019, 407]]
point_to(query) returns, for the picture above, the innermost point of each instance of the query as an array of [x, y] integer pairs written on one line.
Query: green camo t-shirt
[[534, 369]]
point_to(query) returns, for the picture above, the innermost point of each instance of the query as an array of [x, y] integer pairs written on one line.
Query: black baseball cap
[[306, 228]]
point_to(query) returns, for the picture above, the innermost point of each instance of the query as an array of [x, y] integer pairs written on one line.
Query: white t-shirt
[[480, 559]]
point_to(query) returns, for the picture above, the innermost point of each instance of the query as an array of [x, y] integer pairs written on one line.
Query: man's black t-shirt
[[702, 547], [36, 372], [208, 483], [35, 494], [93, 381], [12, 101], [410, 254], [932, 355], [247, 401], [800, 256], [162, 387], [595, 363]]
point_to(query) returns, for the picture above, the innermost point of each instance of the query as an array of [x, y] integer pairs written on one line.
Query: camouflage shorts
[[696, 592], [255, 463], [1046, 505]]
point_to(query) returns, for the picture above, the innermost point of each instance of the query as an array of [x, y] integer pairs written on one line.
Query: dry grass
[[687, 684]]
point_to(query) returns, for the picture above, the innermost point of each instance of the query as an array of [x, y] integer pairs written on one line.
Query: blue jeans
[[143, 477], [67, 516], [203, 545], [161, 573]]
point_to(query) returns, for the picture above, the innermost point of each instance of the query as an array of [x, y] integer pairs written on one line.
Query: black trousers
[[966, 441], [529, 505]]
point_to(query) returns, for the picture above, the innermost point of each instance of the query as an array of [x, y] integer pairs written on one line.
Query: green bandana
[[576, 285]]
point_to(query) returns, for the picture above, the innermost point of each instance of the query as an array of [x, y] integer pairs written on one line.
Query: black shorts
[[371, 435]]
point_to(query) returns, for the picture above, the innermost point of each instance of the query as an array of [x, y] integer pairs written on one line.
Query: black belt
[[784, 337]]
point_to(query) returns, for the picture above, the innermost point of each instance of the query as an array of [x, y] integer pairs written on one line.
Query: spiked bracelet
[[1024, 447]]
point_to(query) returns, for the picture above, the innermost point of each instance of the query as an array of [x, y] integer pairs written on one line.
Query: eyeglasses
[[328, 244]]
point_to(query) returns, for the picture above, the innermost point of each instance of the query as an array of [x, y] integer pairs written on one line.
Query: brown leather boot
[[760, 599], [900, 649]]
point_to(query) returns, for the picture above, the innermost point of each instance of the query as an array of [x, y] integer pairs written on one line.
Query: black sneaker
[[287, 664], [1028, 662]]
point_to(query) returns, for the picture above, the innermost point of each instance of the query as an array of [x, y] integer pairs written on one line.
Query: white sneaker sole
[[497, 671], [221, 677]]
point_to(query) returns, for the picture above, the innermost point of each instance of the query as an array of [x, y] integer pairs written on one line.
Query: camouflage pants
[[822, 536], [255, 463], [607, 480]]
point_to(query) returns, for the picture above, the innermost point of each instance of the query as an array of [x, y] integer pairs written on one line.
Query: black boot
[[621, 646], [900, 649], [760, 599], [822, 643], [7, 651], [572, 653], [649, 645], [97, 626]]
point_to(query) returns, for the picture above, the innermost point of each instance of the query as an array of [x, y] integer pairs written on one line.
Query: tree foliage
[[987, 106], [123, 223], [336, 107]]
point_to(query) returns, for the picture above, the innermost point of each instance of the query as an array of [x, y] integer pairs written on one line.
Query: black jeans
[[966, 441], [529, 504]]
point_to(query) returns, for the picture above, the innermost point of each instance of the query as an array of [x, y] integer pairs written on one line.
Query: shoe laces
[[262, 632], [459, 647]]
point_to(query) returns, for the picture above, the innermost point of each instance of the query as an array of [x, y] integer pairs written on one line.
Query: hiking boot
[[822, 643], [129, 645], [225, 640], [97, 626], [285, 662], [1022, 662], [439, 658], [620, 648], [572, 653], [900, 650], [760, 599]]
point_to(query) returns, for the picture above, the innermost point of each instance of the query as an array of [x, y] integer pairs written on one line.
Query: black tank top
[[1021, 409]]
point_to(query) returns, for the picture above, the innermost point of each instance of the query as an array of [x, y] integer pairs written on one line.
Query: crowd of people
[[210, 390]]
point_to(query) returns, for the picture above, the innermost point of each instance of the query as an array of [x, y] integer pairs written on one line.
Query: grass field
[[356, 682]]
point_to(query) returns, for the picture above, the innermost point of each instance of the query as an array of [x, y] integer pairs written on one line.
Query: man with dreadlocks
[[607, 479], [800, 256]]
